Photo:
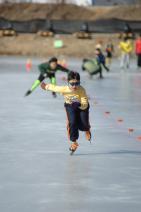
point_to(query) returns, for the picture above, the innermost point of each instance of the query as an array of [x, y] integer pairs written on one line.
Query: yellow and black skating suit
[[77, 117], [71, 96]]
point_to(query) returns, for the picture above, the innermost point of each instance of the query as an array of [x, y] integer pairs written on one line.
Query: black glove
[[28, 93], [75, 105]]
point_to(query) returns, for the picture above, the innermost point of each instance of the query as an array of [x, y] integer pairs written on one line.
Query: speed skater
[[76, 106], [47, 70]]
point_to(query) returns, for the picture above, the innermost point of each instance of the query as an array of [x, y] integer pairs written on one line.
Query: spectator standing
[[109, 53], [138, 50], [126, 49]]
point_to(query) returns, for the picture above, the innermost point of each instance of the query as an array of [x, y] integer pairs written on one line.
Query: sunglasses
[[74, 83]]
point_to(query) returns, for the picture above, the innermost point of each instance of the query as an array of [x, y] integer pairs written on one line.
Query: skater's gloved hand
[[75, 105], [28, 93], [43, 85]]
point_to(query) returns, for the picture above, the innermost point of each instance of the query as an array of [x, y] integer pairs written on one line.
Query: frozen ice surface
[[37, 174]]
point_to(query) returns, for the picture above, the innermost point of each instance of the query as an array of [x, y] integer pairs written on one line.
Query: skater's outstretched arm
[[63, 69], [54, 88], [35, 85]]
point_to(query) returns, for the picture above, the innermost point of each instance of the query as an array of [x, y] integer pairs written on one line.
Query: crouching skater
[[92, 66]]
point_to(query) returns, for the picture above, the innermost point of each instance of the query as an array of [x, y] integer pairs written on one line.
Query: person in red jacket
[[138, 50]]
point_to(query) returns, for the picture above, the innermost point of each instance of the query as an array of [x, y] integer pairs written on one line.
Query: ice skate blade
[[72, 151]]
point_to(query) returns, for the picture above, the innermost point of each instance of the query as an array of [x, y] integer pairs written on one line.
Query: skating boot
[[88, 135], [73, 147]]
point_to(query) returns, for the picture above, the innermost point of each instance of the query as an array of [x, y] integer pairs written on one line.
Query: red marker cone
[[130, 130], [62, 63], [107, 112], [28, 65], [139, 138], [120, 120]]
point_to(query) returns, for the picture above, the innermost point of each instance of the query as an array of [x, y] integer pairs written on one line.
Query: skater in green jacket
[[47, 70]]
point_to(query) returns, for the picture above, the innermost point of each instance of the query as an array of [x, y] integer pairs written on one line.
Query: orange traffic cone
[[28, 65]]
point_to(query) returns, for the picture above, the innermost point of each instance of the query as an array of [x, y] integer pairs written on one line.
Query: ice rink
[[37, 174]]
